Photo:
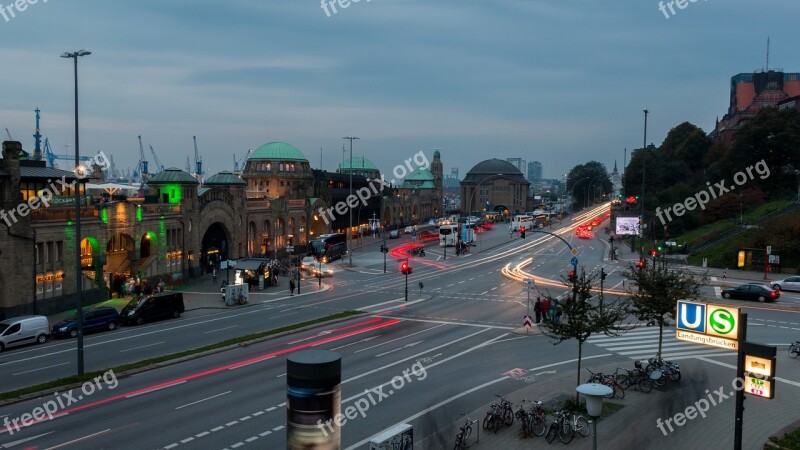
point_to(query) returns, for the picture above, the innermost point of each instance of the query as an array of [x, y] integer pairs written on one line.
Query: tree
[[657, 291], [581, 317], [584, 179]]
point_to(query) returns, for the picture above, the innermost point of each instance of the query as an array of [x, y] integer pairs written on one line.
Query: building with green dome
[[359, 165]]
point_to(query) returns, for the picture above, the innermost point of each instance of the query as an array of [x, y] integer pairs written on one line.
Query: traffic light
[[640, 264], [654, 253], [522, 232], [603, 274], [405, 269], [384, 249], [572, 277]]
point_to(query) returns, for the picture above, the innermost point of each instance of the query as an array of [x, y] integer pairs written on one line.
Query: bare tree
[[655, 292], [582, 317]]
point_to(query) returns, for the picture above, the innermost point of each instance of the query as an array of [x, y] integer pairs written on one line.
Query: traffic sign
[[527, 322], [574, 261], [574, 252]]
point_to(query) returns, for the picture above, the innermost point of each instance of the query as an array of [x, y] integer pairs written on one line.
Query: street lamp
[[594, 393], [586, 199], [78, 271], [641, 195], [350, 210]]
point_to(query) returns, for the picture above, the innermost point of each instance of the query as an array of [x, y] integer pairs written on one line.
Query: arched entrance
[[120, 251], [265, 244], [214, 247]]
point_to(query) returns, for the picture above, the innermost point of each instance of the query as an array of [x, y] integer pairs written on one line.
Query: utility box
[[400, 437]]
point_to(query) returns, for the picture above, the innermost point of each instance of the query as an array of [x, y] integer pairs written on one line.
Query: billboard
[[627, 226]]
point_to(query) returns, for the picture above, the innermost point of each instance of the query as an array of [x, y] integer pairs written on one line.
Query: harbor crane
[[159, 166], [198, 162], [142, 166]]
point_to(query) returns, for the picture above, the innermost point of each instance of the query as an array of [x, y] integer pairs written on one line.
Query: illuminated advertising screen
[[627, 226]]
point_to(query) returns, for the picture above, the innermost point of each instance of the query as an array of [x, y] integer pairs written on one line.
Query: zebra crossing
[[642, 343]]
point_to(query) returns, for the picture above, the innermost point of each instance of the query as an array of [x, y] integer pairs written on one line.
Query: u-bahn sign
[[704, 323]]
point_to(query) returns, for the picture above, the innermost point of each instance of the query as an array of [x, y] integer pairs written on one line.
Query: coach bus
[[328, 247]]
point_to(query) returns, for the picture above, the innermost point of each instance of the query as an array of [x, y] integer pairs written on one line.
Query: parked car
[[23, 330], [151, 307], [97, 319], [321, 270], [752, 291], [394, 234], [787, 284], [306, 263]]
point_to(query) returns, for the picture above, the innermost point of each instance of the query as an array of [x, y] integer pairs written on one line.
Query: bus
[[522, 221], [328, 247], [448, 234]]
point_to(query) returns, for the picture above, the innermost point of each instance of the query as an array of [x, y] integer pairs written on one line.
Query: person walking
[[291, 286], [545, 308], [537, 309], [557, 316], [552, 310], [214, 275]]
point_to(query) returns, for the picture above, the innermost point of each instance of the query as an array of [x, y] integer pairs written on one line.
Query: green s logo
[[721, 321]]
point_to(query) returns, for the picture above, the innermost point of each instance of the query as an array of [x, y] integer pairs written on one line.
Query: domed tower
[[438, 171]]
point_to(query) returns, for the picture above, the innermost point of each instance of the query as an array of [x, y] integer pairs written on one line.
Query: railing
[[63, 213]]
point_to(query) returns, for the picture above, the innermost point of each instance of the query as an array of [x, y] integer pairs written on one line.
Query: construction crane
[[159, 166], [236, 162], [52, 157], [9, 135], [198, 162], [188, 166], [142, 167]]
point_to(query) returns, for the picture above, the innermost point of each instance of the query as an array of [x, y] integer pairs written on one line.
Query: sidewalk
[[202, 293], [634, 424]]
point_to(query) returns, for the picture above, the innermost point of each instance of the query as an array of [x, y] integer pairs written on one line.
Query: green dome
[[173, 175], [357, 163], [420, 174], [277, 151], [225, 178]]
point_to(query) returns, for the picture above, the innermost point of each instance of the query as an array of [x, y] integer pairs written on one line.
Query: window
[[59, 251], [48, 254], [13, 329]]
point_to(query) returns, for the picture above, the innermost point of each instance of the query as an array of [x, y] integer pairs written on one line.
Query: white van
[[23, 330]]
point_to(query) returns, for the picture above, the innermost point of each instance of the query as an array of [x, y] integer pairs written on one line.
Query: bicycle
[[608, 380], [560, 426], [507, 411], [465, 431], [580, 425], [794, 349], [635, 378], [492, 419], [537, 421]]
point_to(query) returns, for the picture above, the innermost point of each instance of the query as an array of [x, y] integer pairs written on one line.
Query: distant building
[[751, 92], [494, 185], [616, 181], [519, 163], [534, 171]]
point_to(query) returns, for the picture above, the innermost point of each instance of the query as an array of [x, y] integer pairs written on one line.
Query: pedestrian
[[214, 275], [291, 286], [545, 308], [557, 317], [537, 309], [552, 311]]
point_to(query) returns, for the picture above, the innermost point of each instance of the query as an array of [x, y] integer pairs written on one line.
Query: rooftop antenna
[[767, 53], [9, 135], [37, 151]]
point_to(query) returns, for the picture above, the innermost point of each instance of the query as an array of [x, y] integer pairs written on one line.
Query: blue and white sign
[[574, 261], [691, 317]]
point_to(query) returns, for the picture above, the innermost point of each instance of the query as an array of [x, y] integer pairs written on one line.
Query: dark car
[[97, 319], [152, 307], [752, 291]]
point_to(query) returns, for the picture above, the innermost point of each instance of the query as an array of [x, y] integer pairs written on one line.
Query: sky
[[562, 82]]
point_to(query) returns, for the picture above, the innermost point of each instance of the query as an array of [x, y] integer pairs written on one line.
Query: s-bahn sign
[[704, 323]]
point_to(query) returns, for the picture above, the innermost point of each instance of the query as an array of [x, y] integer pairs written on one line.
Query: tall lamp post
[[78, 271], [641, 195], [350, 210]]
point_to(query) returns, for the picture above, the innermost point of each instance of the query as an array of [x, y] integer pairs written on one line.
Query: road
[[457, 329]]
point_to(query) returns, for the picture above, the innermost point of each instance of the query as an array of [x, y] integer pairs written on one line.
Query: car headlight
[[62, 329], [131, 313]]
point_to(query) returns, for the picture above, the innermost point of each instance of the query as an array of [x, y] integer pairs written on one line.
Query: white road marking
[[201, 401], [79, 439], [155, 389], [22, 441], [220, 329], [397, 339], [141, 346], [41, 368]]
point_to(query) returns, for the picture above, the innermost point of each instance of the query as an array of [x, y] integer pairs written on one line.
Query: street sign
[[574, 261], [769, 249], [574, 252], [527, 322], [705, 323]]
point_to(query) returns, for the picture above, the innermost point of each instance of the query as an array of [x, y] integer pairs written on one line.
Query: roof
[[45, 172], [173, 175], [250, 263], [496, 168], [277, 151], [421, 174], [225, 178], [356, 163]]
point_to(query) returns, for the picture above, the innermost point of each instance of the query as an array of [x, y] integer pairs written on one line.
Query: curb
[[780, 433]]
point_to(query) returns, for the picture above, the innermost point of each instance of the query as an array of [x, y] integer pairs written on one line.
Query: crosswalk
[[642, 343]]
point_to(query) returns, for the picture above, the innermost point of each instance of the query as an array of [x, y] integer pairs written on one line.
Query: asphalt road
[[458, 330]]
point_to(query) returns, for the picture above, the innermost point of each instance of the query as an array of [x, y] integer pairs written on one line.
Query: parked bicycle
[[661, 370], [635, 378], [794, 349], [491, 422], [608, 380], [561, 427], [465, 431]]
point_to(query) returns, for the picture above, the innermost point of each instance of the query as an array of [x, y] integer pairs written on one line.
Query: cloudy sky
[[558, 81]]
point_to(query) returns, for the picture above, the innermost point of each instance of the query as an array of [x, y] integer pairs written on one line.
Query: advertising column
[[313, 400]]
